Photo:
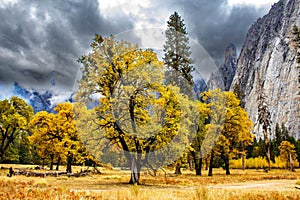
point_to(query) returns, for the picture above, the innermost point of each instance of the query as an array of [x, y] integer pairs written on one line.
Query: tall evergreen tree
[[264, 119], [276, 141], [177, 55]]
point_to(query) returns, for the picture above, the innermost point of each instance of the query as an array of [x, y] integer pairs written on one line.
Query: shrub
[[259, 163]]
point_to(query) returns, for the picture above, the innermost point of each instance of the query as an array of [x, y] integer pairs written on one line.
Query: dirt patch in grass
[[276, 185]]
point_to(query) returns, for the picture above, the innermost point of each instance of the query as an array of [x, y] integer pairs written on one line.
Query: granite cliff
[[268, 54]]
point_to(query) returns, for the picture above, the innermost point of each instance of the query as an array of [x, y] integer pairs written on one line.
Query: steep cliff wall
[[268, 52]]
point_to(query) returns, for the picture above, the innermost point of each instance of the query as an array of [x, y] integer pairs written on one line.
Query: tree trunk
[[57, 164], [268, 151], [210, 170], [178, 169], [226, 160], [198, 163], [1, 156], [69, 163], [198, 167], [135, 172], [291, 163], [191, 161], [51, 162], [243, 157], [243, 162]]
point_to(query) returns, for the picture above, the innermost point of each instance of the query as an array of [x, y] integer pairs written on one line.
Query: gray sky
[[41, 39]]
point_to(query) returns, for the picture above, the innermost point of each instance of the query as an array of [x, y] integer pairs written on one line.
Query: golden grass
[[112, 184]]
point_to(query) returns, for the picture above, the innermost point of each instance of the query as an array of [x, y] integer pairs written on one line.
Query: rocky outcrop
[[223, 77], [268, 54]]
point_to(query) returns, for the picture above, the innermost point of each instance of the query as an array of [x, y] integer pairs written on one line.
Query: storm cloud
[[40, 39], [215, 24], [219, 25]]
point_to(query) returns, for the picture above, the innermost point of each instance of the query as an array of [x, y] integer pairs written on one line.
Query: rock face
[[268, 54], [223, 77]]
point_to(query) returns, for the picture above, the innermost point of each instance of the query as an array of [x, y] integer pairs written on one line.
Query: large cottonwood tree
[[15, 115], [229, 127], [55, 136], [136, 111]]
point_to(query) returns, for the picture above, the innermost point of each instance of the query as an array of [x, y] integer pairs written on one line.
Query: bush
[[251, 163], [259, 163], [279, 163]]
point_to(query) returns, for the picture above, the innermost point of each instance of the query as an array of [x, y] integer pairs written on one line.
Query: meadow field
[[113, 184]]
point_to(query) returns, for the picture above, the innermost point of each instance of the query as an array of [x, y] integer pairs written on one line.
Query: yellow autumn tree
[[46, 138], [15, 115], [89, 132], [56, 137], [230, 126], [203, 112], [236, 131], [288, 153], [136, 111]]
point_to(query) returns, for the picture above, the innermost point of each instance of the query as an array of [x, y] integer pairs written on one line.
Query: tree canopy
[[15, 115], [229, 129], [56, 137]]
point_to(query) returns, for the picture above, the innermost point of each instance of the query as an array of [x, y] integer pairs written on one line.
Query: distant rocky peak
[[230, 52], [42, 100], [223, 77]]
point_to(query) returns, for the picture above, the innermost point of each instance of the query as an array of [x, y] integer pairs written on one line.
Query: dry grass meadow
[[112, 184]]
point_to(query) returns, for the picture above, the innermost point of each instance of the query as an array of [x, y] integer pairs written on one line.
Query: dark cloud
[[38, 38], [215, 24]]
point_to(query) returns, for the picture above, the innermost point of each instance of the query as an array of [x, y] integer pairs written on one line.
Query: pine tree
[[277, 140], [177, 55], [264, 119]]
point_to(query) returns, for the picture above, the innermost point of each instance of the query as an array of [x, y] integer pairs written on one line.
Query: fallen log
[[53, 174], [30, 173], [39, 174]]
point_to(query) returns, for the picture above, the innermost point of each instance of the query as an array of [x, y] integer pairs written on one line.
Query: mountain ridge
[[41, 100]]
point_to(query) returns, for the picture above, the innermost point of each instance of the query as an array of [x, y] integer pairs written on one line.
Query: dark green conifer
[[177, 55]]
